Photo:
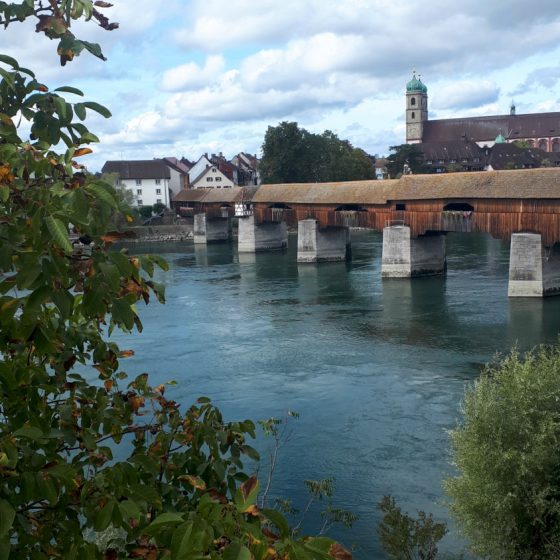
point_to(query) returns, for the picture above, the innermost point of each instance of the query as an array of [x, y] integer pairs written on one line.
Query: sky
[[187, 77]]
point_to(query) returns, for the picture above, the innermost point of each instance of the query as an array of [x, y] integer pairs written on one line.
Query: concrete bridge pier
[[534, 270], [322, 245], [211, 230], [406, 257], [268, 236]]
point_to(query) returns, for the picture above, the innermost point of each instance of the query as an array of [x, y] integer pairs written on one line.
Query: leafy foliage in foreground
[[507, 452], [93, 465]]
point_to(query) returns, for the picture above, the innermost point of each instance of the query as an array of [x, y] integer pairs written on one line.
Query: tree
[[93, 464], [406, 538], [524, 144], [292, 155], [405, 154], [507, 453]]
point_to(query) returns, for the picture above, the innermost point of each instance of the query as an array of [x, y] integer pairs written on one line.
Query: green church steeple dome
[[416, 84]]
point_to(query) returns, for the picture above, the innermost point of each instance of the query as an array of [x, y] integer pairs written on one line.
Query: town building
[[538, 130], [205, 174], [152, 181]]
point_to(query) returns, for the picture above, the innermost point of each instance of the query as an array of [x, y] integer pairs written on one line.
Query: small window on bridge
[[350, 208], [280, 205], [400, 206], [458, 207]]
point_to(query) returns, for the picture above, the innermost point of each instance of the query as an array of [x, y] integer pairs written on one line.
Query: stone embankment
[[147, 234]]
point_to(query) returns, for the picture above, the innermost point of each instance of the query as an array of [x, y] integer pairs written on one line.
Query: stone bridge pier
[[267, 236], [322, 245], [534, 270], [406, 257], [211, 230]]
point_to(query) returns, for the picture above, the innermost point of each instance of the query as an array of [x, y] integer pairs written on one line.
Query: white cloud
[[466, 94], [191, 76]]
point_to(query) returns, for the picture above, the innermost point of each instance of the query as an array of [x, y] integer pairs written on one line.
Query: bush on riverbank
[[506, 496]]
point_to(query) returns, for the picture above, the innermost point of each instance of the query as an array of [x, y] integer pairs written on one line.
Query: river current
[[375, 368]]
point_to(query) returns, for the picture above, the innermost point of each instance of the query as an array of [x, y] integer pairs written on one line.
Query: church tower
[[416, 109]]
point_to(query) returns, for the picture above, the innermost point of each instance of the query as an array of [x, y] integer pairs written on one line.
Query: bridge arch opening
[[350, 208], [458, 207], [280, 206]]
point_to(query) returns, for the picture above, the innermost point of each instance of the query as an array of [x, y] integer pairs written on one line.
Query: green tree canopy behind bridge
[[402, 154], [294, 155]]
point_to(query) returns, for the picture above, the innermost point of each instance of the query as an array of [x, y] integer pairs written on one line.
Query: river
[[376, 369]]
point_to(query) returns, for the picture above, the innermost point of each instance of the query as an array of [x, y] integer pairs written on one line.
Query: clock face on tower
[[413, 131]]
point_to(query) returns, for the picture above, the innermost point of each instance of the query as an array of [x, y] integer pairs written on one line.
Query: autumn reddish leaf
[[82, 152], [248, 487], [126, 353], [338, 552], [252, 510]]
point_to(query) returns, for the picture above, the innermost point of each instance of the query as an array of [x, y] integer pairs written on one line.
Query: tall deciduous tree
[[408, 154], [294, 155], [506, 495], [92, 464]]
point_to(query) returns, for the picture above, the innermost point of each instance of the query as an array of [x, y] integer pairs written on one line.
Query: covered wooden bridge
[[414, 213]]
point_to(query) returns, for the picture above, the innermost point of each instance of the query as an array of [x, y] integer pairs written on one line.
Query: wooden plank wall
[[500, 218]]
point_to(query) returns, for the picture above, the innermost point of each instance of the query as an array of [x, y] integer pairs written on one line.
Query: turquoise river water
[[376, 369]]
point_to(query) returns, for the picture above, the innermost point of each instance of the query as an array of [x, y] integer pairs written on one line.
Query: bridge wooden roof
[[542, 183], [209, 196]]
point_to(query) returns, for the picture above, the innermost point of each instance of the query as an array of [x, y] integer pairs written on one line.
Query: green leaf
[[5, 547], [129, 510], [237, 551], [29, 432], [62, 108], [59, 233], [80, 111], [68, 89], [7, 516], [8, 77], [9, 60], [103, 111], [278, 520], [163, 520], [4, 193], [103, 193], [103, 516]]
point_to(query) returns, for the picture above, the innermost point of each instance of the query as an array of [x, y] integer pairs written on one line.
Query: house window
[[452, 161], [209, 179], [158, 200], [138, 181], [139, 201], [413, 115], [158, 181], [218, 178], [476, 160], [429, 162], [158, 191], [413, 101], [213, 170], [138, 191]]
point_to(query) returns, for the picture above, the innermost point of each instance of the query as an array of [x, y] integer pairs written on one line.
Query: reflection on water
[[375, 368]]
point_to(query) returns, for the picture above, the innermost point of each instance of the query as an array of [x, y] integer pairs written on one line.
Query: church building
[[539, 130]]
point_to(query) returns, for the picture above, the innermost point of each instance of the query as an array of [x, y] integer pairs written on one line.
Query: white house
[[210, 177], [153, 181]]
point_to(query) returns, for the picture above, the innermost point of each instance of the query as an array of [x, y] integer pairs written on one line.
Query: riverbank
[[160, 234]]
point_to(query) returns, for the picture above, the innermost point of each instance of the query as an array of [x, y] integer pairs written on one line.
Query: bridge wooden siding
[[503, 202]]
